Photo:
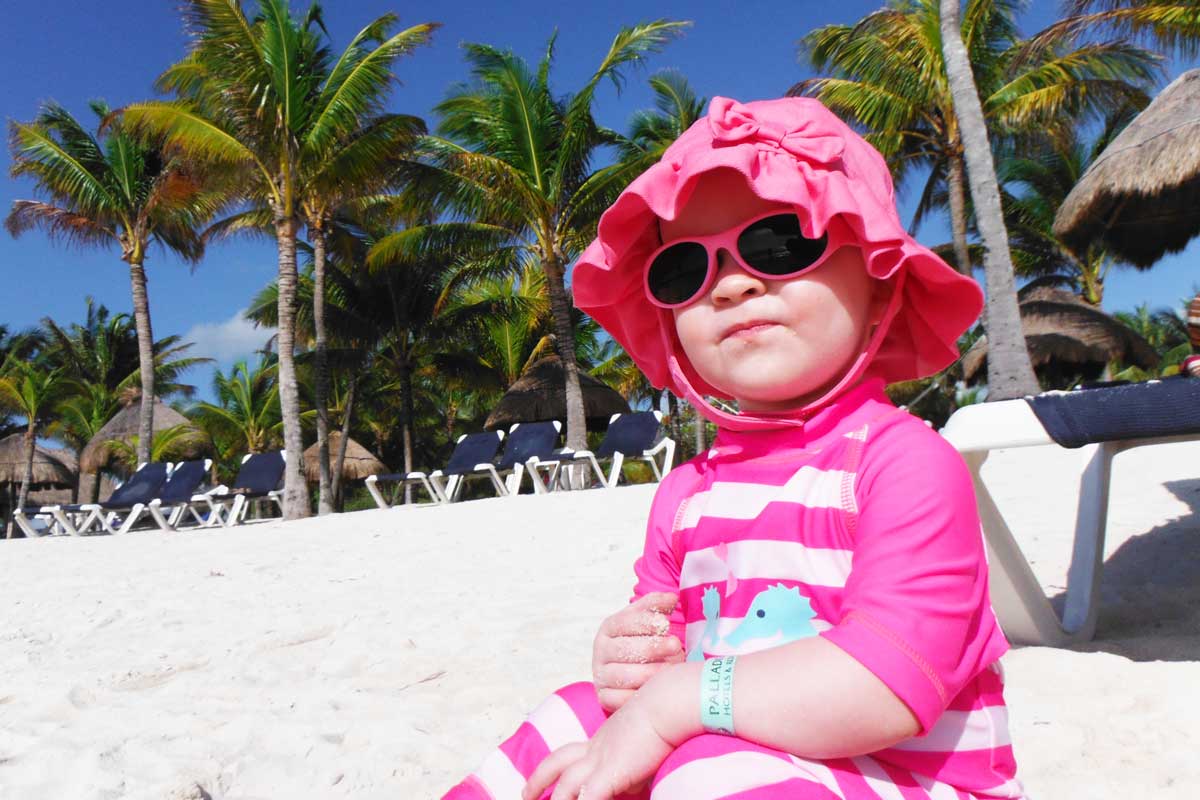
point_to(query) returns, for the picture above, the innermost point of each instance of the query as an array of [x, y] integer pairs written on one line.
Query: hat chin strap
[[788, 419]]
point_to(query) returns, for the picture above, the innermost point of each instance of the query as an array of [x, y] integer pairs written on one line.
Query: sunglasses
[[771, 247]]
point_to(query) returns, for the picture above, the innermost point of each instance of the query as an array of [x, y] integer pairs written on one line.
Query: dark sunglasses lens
[[775, 246], [678, 273]]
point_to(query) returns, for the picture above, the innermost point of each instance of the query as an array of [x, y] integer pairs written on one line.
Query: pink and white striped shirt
[[861, 528]]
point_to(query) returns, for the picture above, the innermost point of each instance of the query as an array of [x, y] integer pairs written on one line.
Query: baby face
[[771, 344]]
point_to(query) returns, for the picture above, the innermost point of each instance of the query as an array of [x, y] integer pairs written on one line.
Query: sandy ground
[[380, 654]]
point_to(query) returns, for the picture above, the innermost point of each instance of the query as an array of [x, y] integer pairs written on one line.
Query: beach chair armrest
[[663, 444], [992, 426]]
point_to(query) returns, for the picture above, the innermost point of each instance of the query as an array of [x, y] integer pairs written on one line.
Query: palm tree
[[384, 311], [497, 328], [1167, 332], [887, 74], [652, 131], [105, 350], [79, 418], [1041, 176], [34, 392], [109, 189], [1010, 373], [246, 417], [23, 345], [1172, 25], [263, 101], [513, 164]]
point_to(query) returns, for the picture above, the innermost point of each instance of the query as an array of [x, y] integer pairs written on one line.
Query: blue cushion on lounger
[[1133, 411], [182, 484], [630, 434], [527, 440], [140, 489], [478, 448], [259, 474]]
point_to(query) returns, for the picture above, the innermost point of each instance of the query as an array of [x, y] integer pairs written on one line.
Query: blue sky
[[73, 51]]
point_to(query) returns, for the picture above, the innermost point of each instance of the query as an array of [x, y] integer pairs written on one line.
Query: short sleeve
[[658, 568], [916, 610]]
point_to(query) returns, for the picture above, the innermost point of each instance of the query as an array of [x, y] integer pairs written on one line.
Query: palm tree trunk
[[564, 334], [673, 410], [321, 370], [27, 478], [1009, 371], [340, 460], [12, 506], [406, 397], [699, 432], [956, 191], [78, 478], [141, 319], [295, 491]]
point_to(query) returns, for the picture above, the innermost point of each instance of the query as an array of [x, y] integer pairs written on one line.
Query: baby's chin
[[762, 390]]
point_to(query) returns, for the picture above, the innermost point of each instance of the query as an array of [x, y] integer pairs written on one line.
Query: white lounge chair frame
[[442, 488], [175, 511], [514, 476], [87, 518], [577, 458], [219, 508], [1026, 615]]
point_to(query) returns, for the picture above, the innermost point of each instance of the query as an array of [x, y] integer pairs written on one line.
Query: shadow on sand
[[1150, 590]]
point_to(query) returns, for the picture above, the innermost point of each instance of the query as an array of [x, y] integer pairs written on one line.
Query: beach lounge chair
[[259, 478], [473, 455], [530, 445], [629, 437], [123, 508], [177, 493], [1101, 422]]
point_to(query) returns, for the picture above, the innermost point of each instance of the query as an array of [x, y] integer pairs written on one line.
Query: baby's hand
[[620, 758], [632, 646]]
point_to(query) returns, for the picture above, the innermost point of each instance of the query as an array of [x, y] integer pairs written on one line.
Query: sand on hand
[[381, 654]]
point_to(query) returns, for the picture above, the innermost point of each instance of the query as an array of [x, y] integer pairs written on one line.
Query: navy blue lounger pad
[[1169, 407]]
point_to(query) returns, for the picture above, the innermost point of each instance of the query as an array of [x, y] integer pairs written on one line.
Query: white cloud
[[236, 337]]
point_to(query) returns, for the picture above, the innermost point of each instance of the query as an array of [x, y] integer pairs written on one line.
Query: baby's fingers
[[616, 675], [612, 699], [637, 649], [646, 616], [551, 768]]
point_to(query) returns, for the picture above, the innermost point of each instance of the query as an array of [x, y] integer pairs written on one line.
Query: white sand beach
[[380, 654]]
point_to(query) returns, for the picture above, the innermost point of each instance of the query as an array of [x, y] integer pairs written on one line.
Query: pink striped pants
[[708, 767]]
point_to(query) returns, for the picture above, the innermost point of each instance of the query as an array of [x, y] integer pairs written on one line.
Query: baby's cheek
[[691, 326]]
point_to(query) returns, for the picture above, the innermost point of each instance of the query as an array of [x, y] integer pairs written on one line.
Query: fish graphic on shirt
[[776, 616]]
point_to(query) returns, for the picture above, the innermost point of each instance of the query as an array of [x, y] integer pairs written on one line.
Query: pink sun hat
[[793, 151]]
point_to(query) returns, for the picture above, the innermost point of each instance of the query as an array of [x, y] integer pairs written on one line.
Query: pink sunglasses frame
[[837, 237]]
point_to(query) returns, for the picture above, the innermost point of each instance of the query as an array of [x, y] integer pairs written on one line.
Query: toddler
[[811, 615]]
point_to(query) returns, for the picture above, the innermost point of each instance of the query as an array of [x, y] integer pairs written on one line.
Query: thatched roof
[[539, 396], [1141, 197], [360, 462], [50, 467], [99, 453], [1061, 328]]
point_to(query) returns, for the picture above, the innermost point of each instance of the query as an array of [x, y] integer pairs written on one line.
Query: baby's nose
[[733, 283]]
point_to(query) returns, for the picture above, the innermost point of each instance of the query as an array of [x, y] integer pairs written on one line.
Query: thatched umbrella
[[1063, 331], [50, 467], [100, 453], [1140, 198], [359, 462], [539, 395]]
